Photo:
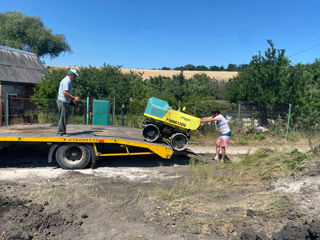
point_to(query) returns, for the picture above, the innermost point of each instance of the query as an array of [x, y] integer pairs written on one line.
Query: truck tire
[[151, 133], [73, 156], [179, 141]]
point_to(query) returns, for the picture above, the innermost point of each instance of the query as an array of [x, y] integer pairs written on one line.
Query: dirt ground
[[42, 201]]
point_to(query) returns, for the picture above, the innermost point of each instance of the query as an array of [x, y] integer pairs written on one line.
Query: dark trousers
[[63, 109]]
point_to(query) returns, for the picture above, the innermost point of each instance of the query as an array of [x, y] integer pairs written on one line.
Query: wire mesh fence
[[44, 111], [40, 111], [26, 111]]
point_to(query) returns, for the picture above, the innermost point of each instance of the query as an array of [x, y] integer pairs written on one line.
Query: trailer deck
[[84, 141]]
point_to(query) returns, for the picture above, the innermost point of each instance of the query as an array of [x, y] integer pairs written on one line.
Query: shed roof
[[20, 66]]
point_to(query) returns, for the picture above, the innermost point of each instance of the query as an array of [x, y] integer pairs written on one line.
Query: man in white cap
[[64, 99]]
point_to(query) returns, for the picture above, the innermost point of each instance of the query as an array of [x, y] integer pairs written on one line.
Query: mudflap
[[93, 155], [51, 152]]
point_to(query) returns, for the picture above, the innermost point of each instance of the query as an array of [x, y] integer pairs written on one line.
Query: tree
[[214, 68], [179, 68], [165, 68], [232, 67], [307, 105], [265, 81], [189, 67], [201, 68], [28, 33], [221, 68]]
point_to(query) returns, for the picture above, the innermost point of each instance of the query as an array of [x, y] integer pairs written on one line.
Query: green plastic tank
[[101, 112]]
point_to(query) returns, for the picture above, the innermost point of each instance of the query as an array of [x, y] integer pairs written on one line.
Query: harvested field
[[147, 73]]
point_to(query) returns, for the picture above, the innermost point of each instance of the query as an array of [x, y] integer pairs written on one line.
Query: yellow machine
[[164, 122]]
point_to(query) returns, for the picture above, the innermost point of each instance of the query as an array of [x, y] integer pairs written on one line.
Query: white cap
[[73, 71]]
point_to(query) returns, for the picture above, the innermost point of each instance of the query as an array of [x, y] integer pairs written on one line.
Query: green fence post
[[88, 105], [289, 115], [114, 112], [7, 109], [239, 114], [122, 117], [7, 106]]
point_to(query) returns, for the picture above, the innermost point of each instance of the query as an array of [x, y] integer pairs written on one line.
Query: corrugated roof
[[20, 66]]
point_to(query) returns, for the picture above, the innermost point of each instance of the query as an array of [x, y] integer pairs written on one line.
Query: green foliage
[[271, 81], [28, 33], [216, 68], [307, 107], [232, 67], [165, 68], [264, 81], [198, 94], [46, 91], [191, 67], [201, 68], [297, 161], [260, 136], [245, 139]]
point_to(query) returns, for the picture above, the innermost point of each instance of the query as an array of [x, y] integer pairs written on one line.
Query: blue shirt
[[65, 85]]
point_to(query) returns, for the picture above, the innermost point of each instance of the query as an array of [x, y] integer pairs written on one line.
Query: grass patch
[[245, 139], [256, 169], [297, 161], [180, 189], [47, 194], [275, 207], [139, 197]]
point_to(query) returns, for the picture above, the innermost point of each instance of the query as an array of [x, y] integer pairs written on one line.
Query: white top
[[65, 85]]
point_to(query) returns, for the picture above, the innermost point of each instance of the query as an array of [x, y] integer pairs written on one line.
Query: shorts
[[222, 142]]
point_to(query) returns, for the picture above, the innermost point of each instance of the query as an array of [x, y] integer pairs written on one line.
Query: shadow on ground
[[36, 155]]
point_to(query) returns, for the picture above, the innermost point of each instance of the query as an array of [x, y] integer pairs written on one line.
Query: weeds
[[48, 194], [244, 140], [139, 197], [297, 161], [180, 189], [275, 207]]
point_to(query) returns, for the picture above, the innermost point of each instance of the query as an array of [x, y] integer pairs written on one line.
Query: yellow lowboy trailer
[[84, 144]]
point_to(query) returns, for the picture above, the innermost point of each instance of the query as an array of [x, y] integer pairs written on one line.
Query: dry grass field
[[147, 73]]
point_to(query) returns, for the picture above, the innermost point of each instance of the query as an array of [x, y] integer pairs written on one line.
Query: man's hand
[[67, 94]]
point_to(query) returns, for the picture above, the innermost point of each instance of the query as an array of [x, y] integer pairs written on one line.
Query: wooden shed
[[19, 72]]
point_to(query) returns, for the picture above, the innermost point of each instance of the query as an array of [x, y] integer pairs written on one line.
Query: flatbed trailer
[[85, 143]]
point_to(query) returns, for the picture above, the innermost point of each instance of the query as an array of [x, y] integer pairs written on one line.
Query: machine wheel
[[179, 141], [73, 156], [151, 133]]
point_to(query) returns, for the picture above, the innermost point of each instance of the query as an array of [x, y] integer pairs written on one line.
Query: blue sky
[[152, 34]]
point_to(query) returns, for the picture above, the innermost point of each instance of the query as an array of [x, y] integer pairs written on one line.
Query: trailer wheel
[[73, 156], [151, 133], [179, 141]]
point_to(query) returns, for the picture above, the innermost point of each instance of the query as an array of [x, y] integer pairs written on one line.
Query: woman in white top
[[224, 136]]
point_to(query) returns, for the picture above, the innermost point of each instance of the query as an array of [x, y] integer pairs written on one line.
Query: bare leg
[[223, 153], [217, 152]]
